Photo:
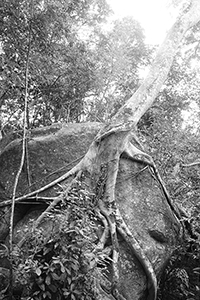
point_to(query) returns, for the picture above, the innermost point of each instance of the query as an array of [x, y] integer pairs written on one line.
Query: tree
[[119, 54], [170, 126], [60, 70], [99, 167]]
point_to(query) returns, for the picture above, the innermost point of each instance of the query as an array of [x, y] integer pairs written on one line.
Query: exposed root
[[140, 255], [103, 286], [108, 209], [166, 194], [108, 212], [72, 172], [111, 212], [101, 244], [38, 200], [110, 217], [49, 208], [135, 154]]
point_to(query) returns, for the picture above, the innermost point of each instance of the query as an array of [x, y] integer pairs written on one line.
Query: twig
[[140, 255], [27, 165], [40, 198], [196, 163]]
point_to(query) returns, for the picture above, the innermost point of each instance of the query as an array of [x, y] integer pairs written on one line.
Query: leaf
[[42, 287], [62, 268], [77, 292], [72, 286], [73, 297], [48, 280], [55, 276], [48, 294], [38, 271], [92, 264], [56, 260], [75, 267], [66, 292], [68, 271], [69, 280], [63, 277], [46, 250], [53, 288]]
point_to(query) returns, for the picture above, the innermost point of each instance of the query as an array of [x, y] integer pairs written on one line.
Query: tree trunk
[[144, 97], [115, 148], [138, 224]]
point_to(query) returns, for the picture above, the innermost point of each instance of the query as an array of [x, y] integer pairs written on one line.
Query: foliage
[[62, 264], [180, 279], [121, 54], [77, 70], [170, 128], [67, 75], [60, 71]]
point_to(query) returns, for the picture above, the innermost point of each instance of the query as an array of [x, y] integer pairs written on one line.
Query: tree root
[[116, 223], [48, 210], [72, 172], [140, 255], [135, 154], [109, 156], [109, 209], [101, 243]]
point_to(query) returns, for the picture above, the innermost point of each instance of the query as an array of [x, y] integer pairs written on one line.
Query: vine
[[65, 263]]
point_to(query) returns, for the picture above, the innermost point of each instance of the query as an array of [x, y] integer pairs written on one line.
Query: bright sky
[[156, 18], [153, 15]]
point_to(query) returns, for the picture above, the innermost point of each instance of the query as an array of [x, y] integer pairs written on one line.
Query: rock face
[[52, 151], [49, 150]]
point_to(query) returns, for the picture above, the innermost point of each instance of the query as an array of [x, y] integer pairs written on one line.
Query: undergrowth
[[181, 277], [63, 263]]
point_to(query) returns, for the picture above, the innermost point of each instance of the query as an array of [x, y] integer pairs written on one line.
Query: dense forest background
[[78, 67], [83, 68]]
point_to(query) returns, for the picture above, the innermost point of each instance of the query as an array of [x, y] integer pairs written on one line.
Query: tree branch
[[195, 163]]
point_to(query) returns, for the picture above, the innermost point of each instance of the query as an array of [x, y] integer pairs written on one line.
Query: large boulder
[[51, 152]]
